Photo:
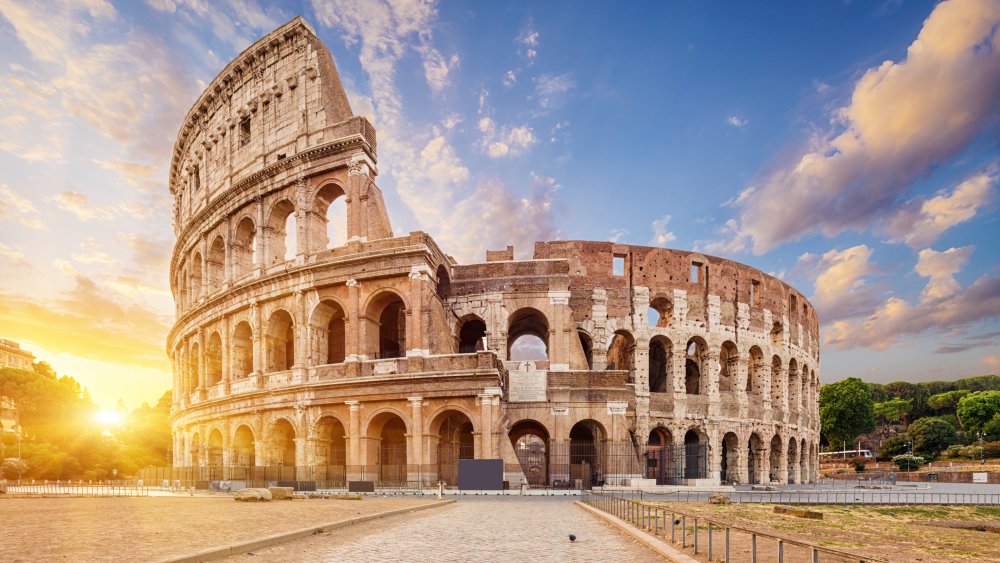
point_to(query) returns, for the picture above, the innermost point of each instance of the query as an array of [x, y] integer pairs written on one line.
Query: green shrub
[[907, 462]]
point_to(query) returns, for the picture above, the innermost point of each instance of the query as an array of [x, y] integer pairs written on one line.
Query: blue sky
[[849, 148]]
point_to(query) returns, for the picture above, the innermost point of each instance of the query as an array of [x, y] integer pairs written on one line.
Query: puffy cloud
[[140, 176], [78, 204], [528, 40], [617, 234], [437, 68], [661, 236], [509, 79], [13, 255], [730, 241], [944, 305], [551, 89], [504, 140], [737, 121], [903, 118], [922, 221], [15, 207], [237, 22], [841, 288]]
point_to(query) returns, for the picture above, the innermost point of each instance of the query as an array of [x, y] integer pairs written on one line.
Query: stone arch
[[730, 459], [755, 371], [450, 439], [280, 339], [196, 280], [281, 445], [328, 220], [187, 387], [328, 332], [216, 264], [696, 452], [530, 440], [729, 359], [443, 282], [385, 315], [471, 332], [194, 366], [804, 384], [330, 450], [663, 307], [803, 462], [793, 386], [279, 237], [777, 336], [243, 251], [387, 448], [244, 451], [213, 359], [695, 366], [586, 346], [215, 457], [661, 372], [793, 460], [195, 448], [621, 353], [755, 459], [776, 381], [241, 361], [531, 324], [777, 447], [659, 456], [586, 452]]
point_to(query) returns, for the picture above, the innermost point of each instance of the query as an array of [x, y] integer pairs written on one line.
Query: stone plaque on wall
[[527, 386]]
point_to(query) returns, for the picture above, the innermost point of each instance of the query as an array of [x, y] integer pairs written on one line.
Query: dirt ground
[[156, 528], [898, 533]]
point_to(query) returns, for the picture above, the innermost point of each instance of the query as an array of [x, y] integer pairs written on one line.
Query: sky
[[849, 148]]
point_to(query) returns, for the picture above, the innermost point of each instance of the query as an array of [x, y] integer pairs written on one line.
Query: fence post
[[683, 530], [727, 544], [781, 551], [696, 536], [673, 536], [709, 540], [753, 548]]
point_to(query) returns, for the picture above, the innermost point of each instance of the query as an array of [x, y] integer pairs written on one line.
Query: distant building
[[12, 356], [8, 415]]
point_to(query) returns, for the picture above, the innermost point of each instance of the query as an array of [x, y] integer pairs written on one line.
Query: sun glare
[[110, 417]]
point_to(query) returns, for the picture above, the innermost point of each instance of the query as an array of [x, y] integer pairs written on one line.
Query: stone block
[[281, 493], [253, 495]]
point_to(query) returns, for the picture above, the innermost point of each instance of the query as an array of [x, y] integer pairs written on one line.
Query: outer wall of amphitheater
[[314, 344]]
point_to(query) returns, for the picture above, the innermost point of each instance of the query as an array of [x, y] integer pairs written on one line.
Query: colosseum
[[314, 344]]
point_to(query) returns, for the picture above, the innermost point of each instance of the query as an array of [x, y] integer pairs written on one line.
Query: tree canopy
[[977, 409], [846, 411]]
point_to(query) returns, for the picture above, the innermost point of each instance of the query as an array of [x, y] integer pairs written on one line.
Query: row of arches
[[275, 239]]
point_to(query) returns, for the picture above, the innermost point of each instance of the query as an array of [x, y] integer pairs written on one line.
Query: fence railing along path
[[844, 497], [80, 488], [720, 536]]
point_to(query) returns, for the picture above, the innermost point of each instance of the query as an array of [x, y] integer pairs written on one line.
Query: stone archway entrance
[[531, 445]]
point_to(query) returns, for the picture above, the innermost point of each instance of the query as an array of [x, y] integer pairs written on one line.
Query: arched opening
[[695, 455], [216, 264], [587, 346], [244, 248], [694, 366], [661, 312], [730, 458], [793, 386], [661, 351], [776, 448], [586, 439], [330, 453], [281, 448], [728, 364], [803, 462], [452, 432], [329, 212], [180, 288], [755, 449], [280, 341], [776, 382], [280, 233], [387, 448], [793, 460], [196, 280], [214, 359], [215, 448], [660, 462], [328, 330], [804, 379], [443, 282], [243, 450], [531, 445], [187, 386], [531, 326], [195, 450], [755, 372], [386, 315], [194, 366], [621, 353], [471, 335], [241, 362], [777, 336]]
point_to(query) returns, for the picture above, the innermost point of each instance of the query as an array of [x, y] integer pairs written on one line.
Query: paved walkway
[[473, 529]]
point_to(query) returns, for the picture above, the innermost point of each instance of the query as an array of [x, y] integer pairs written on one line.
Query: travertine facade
[[378, 357]]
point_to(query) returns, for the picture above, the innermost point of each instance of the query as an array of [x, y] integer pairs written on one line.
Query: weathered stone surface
[[370, 356], [719, 498], [800, 512], [281, 493], [252, 495]]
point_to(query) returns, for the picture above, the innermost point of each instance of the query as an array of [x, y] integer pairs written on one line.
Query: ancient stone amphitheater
[[314, 344]]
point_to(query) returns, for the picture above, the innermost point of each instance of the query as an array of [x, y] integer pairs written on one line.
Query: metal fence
[[689, 531], [81, 488], [844, 497]]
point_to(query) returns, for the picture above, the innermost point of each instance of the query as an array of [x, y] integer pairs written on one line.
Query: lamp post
[[982, 452]]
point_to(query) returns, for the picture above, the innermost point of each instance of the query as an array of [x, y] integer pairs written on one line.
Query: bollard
[[781, 551], [815, 555], [683, 530], [440, 490], [753, 548], [696, 536], [727, 545]]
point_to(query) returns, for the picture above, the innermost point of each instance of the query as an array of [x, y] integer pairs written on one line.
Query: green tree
[[944, 403], [931, 436], [893, 411], [976, 409], [846, 411], [893, 447], [992, 428]]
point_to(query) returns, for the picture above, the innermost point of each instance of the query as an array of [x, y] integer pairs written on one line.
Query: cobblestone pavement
[[473, 529]]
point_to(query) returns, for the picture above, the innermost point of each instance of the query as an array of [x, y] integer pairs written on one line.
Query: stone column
[[558, 341], [352, 323], [301, 336], [485, 426], [202, 364], [262, 243], [354, 462], [712, 366], [203, 290], [227, 356], [358, 177], [714, 454], [415, 338], [415, 465], [783, 464]]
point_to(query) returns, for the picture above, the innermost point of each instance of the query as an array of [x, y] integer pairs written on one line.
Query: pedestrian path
[[473, 529]]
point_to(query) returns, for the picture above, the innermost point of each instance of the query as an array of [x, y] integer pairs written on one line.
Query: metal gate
[[672, 465]]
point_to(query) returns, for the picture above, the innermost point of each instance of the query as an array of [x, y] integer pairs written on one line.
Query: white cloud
[[15, 207], [504, 140], [551, 90], [841, 286], [509, 79], [922, 221], [903, 118], [78, 204], [14, 255], [661, 236], [528, 39], [737, 121], [730, 241], [943, 306], [617, 234]]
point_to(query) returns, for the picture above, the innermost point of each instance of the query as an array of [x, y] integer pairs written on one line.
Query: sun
[[108, 417]]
